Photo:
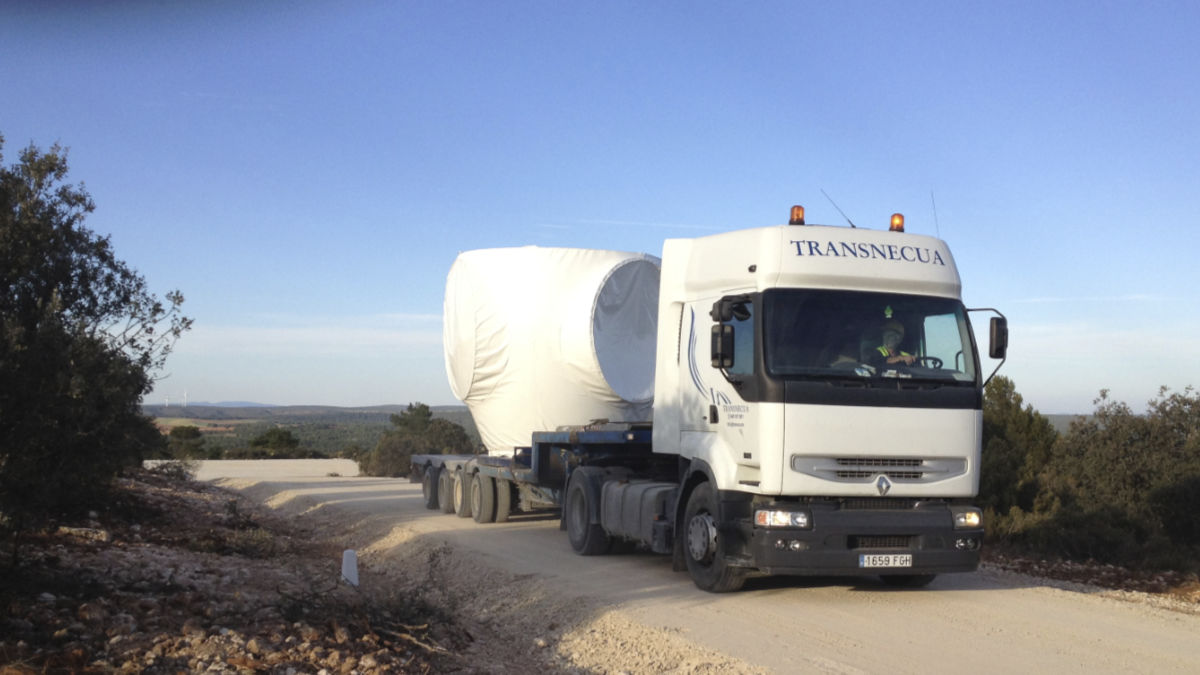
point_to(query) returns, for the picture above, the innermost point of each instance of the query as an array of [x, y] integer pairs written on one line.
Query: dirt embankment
[[183, 576]]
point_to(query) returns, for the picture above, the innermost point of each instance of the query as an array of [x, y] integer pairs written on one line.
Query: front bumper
[[840, 537]]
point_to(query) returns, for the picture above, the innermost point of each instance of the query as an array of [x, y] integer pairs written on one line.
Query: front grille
[[880, 541], [877, 461], [865, 469], [868, 467], [908, 475]]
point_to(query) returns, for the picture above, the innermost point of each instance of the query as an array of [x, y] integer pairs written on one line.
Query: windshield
[[820, 333]]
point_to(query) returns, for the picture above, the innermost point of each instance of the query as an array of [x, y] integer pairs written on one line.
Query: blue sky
[[306, 172]]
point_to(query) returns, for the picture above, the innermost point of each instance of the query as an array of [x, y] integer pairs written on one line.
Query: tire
[[704, 545], [503, 500], [908, 580], [587, 538], [429, 487], [483, 499], [462, 494], [445, 490]]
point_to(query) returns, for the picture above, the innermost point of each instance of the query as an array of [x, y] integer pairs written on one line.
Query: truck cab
[[821, 387]]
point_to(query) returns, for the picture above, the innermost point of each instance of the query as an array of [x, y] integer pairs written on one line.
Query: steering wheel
[[933, 361]]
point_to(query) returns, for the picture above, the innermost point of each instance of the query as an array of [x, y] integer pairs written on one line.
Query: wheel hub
[[701, 537]]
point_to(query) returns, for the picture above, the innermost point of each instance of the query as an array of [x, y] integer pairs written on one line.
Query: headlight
[[967, 517], [780, 518]]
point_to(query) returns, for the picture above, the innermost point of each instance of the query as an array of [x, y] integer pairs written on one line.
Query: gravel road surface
[[631, 613]]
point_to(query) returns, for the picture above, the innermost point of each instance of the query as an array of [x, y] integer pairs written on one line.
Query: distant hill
[[327, 429], [1062, 423], [259, 411]]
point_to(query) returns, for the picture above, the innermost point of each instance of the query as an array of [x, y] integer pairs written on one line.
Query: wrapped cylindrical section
[[538, 338]]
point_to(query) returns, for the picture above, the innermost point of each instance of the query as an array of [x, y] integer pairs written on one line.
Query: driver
[[893, 335]]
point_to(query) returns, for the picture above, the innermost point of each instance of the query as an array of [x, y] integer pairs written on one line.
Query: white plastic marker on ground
[[350, 567]]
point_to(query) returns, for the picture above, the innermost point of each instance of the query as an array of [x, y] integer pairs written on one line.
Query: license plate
[[885, 560]]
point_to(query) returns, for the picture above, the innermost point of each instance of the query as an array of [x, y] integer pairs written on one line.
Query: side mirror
[[998, 349], [722, 346], [722, 310]]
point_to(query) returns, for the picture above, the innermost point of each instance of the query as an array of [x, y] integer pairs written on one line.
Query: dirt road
[[631, 613]]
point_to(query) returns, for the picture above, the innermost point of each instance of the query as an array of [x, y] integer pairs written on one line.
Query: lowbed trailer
[[489, 489]]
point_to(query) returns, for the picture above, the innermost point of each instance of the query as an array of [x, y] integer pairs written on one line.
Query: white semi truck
[[796, 399]]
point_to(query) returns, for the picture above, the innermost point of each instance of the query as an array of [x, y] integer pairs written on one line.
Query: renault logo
[[883, 485]]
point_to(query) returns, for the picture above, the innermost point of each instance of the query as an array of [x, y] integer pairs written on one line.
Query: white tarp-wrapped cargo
[[538, 338]]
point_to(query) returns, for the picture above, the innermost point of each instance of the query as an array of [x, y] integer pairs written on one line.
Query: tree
[[392, 456], [414, 420], [276, 442], [80, 339], [416, 431], [186, 442], [1145, 466], [1119, 486], [1017, 443]]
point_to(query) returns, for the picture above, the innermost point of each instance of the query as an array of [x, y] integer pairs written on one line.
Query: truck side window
[[743, 340]]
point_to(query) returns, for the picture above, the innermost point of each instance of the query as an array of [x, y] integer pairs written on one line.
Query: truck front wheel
[[586, 537], [704, 546]]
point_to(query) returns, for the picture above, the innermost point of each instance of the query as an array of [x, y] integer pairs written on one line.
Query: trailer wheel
[[704, 546], [586, 537], [908, 580], [483, 499], [445, 490], [503, 500], [462, 494], [429, 487]]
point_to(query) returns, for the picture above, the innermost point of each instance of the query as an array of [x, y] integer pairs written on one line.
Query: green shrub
[[1177, 507], [1017, 443], [1105, 534], [414, 432]]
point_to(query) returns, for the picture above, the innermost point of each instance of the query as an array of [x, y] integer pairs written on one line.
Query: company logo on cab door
[[864, 251]]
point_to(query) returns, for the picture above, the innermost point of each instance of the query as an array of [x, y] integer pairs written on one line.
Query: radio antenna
[[937, 226], [839, 210]]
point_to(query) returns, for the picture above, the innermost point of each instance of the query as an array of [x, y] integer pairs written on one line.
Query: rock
[[88, 533], [121, 624], [91, 613], [193, 628]]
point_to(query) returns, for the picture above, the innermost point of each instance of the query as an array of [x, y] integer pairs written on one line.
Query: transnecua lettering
[[863, 250]]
